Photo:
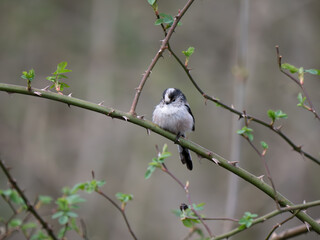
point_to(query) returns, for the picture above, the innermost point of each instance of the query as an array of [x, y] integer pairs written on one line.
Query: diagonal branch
[[186, 189], [272, 214], [201, 151], [299, 83], [157, 56], [240, 114], [292, 232], [30, 207]]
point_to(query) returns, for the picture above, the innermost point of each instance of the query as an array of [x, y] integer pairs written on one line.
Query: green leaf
[[75, 198], [165, 19], [280, 114], [189, 52], [72, 214], [28, 225], [313, 71], [247, 220], [158, 21], [15, 223], [151, 2], [63, 220], [289, 67], [57, 215], [62, 231], [51, 78], [28, 75], [40, 235], [264, 145], [61, 66], [149, 172], [187, 223], [63, 85], [45, 199], [247, 132], [301, 100], [124, 197], [272, 115], [198, 207]]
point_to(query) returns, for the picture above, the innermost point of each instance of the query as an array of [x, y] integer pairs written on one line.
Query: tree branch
[[157, 56], [205, 153], [299, 83], [270, 215], [292, 232], [237, 112], [30, 207], [122, 211]]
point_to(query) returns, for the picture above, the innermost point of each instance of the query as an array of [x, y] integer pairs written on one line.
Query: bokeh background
[[108, 44]]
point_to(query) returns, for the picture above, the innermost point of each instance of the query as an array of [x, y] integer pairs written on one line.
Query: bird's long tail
[[185, 157]]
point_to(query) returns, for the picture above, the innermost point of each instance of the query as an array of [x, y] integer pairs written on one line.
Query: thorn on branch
[[110, 113], [215, 161], [233, 163], [46, 88], [148, 132]]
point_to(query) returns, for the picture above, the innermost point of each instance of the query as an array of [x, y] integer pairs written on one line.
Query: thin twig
[[196, 148], [292, 232], [239, 113], [186, 189], [30, 207], [216, 219], [270, 215], [280, 224], [121, 211], [299, 83], [157, 56], [266, 167]]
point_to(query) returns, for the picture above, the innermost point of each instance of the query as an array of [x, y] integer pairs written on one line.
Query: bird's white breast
[[175, 119]]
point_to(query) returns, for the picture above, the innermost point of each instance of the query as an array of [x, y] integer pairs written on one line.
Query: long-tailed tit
[[173, 113]]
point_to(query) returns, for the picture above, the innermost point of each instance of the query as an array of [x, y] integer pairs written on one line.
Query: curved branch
[[157, 56], [30, 207], [270, 215], [240, 114], [284, 202]]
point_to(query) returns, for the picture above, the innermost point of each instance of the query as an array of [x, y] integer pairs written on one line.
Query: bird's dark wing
[[189, 110]]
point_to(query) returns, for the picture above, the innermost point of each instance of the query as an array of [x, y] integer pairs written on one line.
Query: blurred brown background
[[108, 44]]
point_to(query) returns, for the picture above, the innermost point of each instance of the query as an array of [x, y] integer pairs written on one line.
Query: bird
[[173, 114]]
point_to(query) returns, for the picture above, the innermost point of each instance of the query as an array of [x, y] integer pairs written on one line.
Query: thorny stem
[[122, 211], [186, 189], [270, 215], [292, 232], [311, 109], [267, 171], [30, 207], [283, 222], [240, 114], [266, 167], [157, 56], [201, 151], [216, 219]]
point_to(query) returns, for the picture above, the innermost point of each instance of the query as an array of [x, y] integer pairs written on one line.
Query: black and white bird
[[173, 113]]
